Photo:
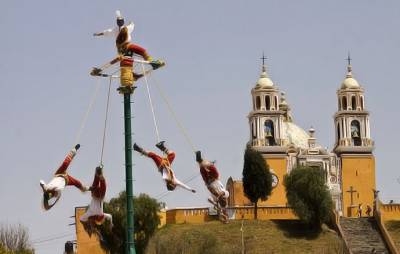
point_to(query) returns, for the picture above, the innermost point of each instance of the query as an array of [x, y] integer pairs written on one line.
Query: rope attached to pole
[[83, 122], [180, 126], [151, 104], [105, 121]]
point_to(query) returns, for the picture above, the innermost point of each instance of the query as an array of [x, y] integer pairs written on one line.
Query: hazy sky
[[212, 50]]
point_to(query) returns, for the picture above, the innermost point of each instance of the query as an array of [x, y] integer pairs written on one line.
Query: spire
[[264, 73], [349, 81], [264, 80], [349, 69]]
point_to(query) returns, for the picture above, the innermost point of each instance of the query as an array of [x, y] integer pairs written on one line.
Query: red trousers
[[62, 170], [99, 187], [159, 161]]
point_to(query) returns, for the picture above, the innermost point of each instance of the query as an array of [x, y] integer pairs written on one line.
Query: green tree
[[146, 221], [257, 180], [308, 195]]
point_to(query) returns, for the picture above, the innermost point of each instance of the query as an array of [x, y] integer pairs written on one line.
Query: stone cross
[[351, 191]]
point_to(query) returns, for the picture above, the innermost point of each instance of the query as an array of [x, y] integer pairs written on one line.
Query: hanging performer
[[210, 175], [126, 50], [52, 190], [164, 165], [94, 215]]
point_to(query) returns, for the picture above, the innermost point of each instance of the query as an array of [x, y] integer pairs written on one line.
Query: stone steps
[[362, 235]]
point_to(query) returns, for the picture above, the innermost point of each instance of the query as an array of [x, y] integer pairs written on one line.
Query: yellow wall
[[278, 195], [84, 243], [390, 211], [357, 171]]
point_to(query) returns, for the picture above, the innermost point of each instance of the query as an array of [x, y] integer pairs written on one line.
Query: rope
[[180, 126], [83, 122], [151, 104], [105, 122]]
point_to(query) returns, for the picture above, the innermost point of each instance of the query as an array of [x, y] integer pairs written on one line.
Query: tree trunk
[[255, 210]]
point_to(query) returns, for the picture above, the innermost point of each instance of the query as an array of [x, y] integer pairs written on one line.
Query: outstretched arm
[[184, 186]]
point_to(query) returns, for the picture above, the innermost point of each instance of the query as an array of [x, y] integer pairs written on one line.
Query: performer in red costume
[[61, 179], [219, 194], [94, 215], [164, 166], [126, 51]]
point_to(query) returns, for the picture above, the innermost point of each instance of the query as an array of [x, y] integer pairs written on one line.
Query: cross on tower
[[263, 58], [348, 58], [351, 191]]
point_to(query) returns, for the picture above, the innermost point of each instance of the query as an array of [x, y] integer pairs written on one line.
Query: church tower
[[354, 146], [267, 135]]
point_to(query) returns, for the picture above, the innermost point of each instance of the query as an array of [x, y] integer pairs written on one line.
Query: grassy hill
[[259, 237], [393, 227]]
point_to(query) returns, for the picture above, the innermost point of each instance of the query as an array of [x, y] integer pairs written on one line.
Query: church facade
[[349, 168]]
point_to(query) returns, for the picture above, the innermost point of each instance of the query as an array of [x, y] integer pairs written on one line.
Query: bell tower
[[267, 135], [354, 145]]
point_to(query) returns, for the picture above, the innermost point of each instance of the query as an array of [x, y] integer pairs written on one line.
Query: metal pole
[[130, 247]]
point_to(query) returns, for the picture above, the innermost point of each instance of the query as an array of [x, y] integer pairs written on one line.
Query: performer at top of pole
[[164, 165], [61, 178], [126, 50]]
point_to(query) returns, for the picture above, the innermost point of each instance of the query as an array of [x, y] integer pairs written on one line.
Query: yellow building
[[85, 243], [349, 168]]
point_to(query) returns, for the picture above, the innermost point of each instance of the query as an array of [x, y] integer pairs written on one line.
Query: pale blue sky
[[212, 50]]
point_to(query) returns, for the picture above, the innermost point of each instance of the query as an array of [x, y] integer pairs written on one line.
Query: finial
[[263, 58], [349, 74], [311, 131]]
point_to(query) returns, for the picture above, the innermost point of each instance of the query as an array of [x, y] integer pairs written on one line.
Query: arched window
[[268, 102], [276, 103], [258, 102], [269, 133], [355, 133], [344, 103], [362, 102], [253, 132], [338, 132], [353, 103]]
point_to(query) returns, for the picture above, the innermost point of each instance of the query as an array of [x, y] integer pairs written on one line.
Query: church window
[[258, 102], [356, 173], [353, 103], [268, 102], [355, 133], [362, 102], [269, 133], [344, 102], [338, 132], [276, 103]]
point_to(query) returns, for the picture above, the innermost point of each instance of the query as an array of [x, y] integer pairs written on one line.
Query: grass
[[259, 237], [393, 227]]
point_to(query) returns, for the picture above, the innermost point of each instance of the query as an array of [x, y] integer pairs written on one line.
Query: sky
[[212, 50]]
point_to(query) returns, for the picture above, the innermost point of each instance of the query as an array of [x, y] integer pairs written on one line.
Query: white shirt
[[115, 31], [56, 184]]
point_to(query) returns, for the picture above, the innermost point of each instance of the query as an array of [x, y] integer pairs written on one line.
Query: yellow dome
[[350, 83], [264, 80]]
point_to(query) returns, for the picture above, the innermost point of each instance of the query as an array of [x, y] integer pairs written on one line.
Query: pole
[[130, 248]]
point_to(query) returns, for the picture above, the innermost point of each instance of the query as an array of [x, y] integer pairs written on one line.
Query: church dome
[[349, 82], [264, 81], [295, 135]]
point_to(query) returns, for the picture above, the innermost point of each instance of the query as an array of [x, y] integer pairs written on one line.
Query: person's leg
[[157, 159], [171, 156], [75, 182], [63, 168]]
